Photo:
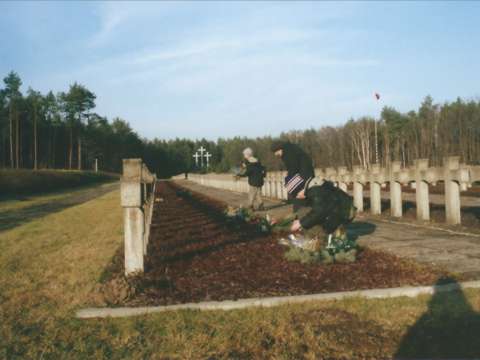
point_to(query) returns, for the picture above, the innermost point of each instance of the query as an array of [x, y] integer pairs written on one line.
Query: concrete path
[[457, 251]]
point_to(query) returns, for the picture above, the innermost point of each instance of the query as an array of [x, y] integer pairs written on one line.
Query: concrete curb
[[275, 301]]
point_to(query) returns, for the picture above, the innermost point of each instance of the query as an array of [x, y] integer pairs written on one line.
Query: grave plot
[[195, 256]]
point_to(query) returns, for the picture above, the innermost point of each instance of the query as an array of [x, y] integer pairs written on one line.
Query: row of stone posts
[[137, 188], [456, 177]]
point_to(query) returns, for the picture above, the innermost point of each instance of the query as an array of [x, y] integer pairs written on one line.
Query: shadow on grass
[[13, 218], [448, 329]]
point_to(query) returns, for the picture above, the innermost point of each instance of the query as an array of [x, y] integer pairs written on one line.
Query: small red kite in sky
[[377, 96]]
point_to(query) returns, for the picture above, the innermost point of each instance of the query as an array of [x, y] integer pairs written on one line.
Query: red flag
[[377, 95]]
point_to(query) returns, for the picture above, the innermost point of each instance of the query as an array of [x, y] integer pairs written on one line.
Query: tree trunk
[[12, 162], [70, 150], [17, 141], [79, 153], [53, 148], [35, 161]]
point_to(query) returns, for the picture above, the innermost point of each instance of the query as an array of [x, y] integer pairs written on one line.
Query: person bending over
[[331, 209]]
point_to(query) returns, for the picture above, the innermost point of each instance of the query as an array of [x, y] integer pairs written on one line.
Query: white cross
[[208, 156], [202, 150], [196, 156]]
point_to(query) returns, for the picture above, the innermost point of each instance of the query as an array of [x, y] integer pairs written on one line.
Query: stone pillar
[[341, 172], [265, 188], [358, 196], [375, 191], [358, 188], [421, 193], [375, 198], [273, 186], [134, 220], [284, 189], [395, 191], [452, 190]]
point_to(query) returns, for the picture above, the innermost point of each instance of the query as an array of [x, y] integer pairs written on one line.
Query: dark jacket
[[297, 161], [331, 207], [255, 172]]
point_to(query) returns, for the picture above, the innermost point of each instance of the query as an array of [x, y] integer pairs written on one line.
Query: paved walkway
[[458, 252]]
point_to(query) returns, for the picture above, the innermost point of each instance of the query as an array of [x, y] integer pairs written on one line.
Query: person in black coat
[[331, 207], [297, 162], [255, 172]]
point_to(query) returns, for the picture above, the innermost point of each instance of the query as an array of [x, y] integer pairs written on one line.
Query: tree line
[[62, 131], [433, 131]]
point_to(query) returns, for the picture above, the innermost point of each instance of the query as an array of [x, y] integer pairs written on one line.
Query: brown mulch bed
[[195, 256]]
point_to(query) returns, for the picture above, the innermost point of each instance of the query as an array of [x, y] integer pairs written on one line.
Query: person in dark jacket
[[255, 172], [297, 162], [331, 208]]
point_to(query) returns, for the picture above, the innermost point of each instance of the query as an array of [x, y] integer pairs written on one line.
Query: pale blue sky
[[220, 69]]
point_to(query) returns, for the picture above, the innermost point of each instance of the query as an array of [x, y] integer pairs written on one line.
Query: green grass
[[49, 267], [11, 204], [14, 183]]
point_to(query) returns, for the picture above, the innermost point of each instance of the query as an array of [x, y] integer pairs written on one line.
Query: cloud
[[111, 17]]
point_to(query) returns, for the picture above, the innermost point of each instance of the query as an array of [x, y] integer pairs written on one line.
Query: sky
[[250, 68]]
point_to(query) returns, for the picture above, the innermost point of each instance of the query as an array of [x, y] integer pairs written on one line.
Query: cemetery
[[180, 247], [239, 180]]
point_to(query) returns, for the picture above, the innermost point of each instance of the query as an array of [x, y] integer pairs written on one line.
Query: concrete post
[[452, 190], [395, 191], [270, 192], [134, 220], [273, 186], [357, 188], [421, 193], [278, 181], [375, 192], [284, 189], [375, 198], [341, 172], [96, 165], [358, 196]]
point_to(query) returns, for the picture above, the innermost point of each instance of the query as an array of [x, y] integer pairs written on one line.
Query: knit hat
[[294, 184]]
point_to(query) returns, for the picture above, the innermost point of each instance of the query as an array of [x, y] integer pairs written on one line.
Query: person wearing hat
[[255, 172], [331, 208], [299, 168]]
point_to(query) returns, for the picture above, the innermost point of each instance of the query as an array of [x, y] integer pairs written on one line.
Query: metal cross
[[208, 156], [196, 156]]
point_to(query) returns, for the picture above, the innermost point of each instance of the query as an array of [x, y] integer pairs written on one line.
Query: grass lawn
[[21, 182], [49, 266]]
